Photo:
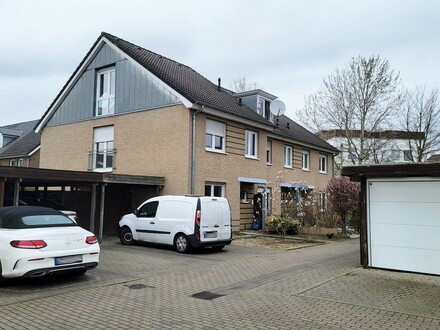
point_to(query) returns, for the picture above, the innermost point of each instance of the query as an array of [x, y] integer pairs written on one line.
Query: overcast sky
[[285, 47]]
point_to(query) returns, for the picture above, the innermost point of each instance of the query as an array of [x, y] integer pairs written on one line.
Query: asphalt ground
[[151, 287]]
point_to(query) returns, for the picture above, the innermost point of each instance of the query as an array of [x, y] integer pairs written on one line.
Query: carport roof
[[40, 175], [358, 173]]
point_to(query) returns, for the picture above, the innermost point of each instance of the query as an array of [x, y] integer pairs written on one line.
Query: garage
[[404, 224], [400, 216]]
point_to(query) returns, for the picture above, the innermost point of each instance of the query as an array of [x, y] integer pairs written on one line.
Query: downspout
[[193, 149]]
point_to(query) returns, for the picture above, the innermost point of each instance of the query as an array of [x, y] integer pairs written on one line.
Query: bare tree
[[240, 84], [422, 115], [358, 100]]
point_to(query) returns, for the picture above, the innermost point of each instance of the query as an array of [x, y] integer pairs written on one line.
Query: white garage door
[[404, 224]]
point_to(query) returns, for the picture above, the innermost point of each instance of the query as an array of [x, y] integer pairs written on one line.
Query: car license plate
[[68, 260], [210, 234]]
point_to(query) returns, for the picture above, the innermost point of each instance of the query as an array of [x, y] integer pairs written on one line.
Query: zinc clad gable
[[136, 90]]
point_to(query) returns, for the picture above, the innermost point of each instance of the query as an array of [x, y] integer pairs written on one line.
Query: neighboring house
[[127, 110], [434, 158], [380, 147], [20, 145]]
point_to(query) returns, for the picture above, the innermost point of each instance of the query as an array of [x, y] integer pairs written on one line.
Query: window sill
[[102, 170], [288, 167], [216, 151], [269, 164], [251, 157], [306, 169], [321, 172]]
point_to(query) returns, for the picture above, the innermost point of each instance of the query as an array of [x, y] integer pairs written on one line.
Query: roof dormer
[[258, 100]]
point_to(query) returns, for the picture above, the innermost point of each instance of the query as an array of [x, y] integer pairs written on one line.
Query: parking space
[[146, 287]]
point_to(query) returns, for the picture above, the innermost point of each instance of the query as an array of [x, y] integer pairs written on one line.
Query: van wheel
[[181, 243], [126, 237], [218, 247]]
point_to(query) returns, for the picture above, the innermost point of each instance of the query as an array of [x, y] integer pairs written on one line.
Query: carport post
[[101, 212], [16, 192], [2, 191], [93, 209]]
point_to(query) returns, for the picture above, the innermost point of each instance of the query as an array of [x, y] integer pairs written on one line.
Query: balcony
[[101, 160]]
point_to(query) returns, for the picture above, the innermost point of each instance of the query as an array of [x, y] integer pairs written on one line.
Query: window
[[269, 152], [305, 160], [407, 155], [323, 163], [215, 136], [251, 144], [103, 149], [215, 189], [105, 92], [148, 210], [20, 162], [12, 162], [288, 156], [394, 155]]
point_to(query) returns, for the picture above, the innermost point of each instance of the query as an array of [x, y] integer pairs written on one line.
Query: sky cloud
[[285, 47]]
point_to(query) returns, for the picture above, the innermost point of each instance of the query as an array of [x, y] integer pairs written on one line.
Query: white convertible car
[[39, 241]]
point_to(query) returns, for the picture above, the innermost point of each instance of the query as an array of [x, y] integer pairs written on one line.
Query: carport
[[399, 216], [99, 198]]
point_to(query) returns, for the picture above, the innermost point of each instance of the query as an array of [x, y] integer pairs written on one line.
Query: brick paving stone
[[320, 287]]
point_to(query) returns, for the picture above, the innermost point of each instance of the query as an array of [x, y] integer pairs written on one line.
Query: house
[[20, 145], [380, 147], [127, 110]]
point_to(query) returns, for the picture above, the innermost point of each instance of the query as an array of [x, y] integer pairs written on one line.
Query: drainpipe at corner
[[193, 149]]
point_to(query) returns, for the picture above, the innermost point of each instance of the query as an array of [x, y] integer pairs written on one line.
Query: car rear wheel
[[2, 280], [182, 244], [126, 236]]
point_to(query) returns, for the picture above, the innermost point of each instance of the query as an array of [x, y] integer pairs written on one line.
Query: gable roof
[[24, 144], [179, 77], [291, 129], [190, 85]]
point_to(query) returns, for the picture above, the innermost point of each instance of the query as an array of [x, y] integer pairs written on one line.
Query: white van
[[183, 221]]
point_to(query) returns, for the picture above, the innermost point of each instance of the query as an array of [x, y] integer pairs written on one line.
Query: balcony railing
[[101, 160]]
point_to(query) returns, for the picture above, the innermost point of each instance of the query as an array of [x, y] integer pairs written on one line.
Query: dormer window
[[105, 92], [263, 108]]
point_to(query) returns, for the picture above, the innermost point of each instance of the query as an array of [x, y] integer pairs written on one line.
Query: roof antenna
[[219, 84]]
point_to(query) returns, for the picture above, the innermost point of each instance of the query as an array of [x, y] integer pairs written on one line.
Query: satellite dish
[[277, 108]]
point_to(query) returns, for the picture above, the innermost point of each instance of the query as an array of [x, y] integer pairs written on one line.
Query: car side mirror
[[136, 212]]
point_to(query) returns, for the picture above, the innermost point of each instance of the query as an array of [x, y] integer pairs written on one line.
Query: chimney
[[219, 84]]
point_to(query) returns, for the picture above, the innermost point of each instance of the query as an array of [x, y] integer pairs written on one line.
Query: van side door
[[145, 222]]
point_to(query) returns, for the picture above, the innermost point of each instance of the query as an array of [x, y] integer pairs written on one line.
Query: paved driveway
[[144, 287]]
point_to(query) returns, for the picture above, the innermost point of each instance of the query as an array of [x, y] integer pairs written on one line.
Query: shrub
[[282, 225]]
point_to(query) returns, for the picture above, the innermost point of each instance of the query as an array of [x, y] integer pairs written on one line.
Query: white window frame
[[306, 160], [103, 136], [215, 129], [20, 162], [269, 152], [288, 155], [12, 162], [251, 144], [108, 98], [323, 163], [212, 186]]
